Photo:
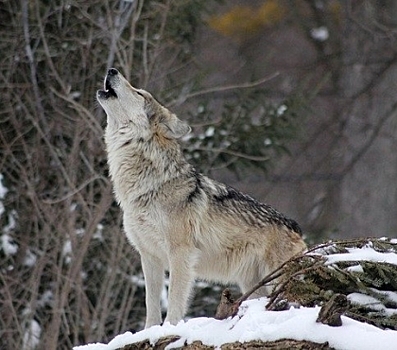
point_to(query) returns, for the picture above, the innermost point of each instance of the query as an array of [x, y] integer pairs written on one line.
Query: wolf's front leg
[[153, 271], [181, 281]]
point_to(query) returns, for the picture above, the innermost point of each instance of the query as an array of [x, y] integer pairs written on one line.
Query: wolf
[[178, 219]]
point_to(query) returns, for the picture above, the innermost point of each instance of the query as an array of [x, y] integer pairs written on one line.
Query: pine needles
[[362, 269]]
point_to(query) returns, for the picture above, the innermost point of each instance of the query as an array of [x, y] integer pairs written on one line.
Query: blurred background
[[293, 102]]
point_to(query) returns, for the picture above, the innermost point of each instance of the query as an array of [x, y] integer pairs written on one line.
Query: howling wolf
[[178, 219]]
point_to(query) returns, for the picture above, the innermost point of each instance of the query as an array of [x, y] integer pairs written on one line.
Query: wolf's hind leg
[[153, 271], [248, 282]]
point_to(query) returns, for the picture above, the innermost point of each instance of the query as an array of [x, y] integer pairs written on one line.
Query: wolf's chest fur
[[143, 172], [150, 182]]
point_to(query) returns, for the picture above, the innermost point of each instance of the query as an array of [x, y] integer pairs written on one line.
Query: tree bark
[[256, 344], [368, 123]]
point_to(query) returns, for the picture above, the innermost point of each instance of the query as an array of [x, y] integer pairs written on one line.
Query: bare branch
[[217, 89]]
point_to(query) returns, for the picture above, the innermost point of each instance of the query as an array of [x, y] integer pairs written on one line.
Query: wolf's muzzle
[[108, 91], [112, 71]]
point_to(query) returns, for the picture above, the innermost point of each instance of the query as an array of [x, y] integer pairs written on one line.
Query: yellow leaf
[[243, 21]]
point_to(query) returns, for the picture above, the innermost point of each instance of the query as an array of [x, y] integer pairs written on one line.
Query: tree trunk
[[256, 344], [368, 195]]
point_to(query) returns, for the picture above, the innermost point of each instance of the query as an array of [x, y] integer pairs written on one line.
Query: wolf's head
[[135, 112]]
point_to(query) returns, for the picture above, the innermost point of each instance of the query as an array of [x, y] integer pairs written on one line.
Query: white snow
[[46, 298], [164, 298], [371, 303], [31, 330], [8, 245], [355, 268], [365, 253], [320, 33], [99, 233], [67, 251], [138, 280], [253, 322], [364, 299], [12, 223], [3, 192], [267, 142], [31, 337], [390, 295], [30, 259], [210, 131], [281, 110]]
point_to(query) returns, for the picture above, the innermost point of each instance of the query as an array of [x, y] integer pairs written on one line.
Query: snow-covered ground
[[253, 322]]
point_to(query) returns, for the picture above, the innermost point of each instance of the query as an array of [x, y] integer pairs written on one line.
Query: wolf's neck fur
[[138, 166]]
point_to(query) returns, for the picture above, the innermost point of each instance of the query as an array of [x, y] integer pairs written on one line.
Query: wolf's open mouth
[[108, 88]]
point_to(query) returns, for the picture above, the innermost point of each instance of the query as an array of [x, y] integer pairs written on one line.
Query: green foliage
[[250, 132], [185, 21]]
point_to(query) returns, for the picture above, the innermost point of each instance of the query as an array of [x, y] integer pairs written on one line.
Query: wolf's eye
[[140, 93]]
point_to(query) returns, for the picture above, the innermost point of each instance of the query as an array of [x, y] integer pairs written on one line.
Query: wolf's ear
[[174, 128]]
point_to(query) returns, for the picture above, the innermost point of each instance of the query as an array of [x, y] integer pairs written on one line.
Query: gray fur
[[178, 219]]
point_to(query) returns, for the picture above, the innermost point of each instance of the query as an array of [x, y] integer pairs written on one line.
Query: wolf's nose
[[113, 71]]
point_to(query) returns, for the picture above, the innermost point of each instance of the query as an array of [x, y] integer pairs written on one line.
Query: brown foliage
[[68, 282], [67, 279]]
